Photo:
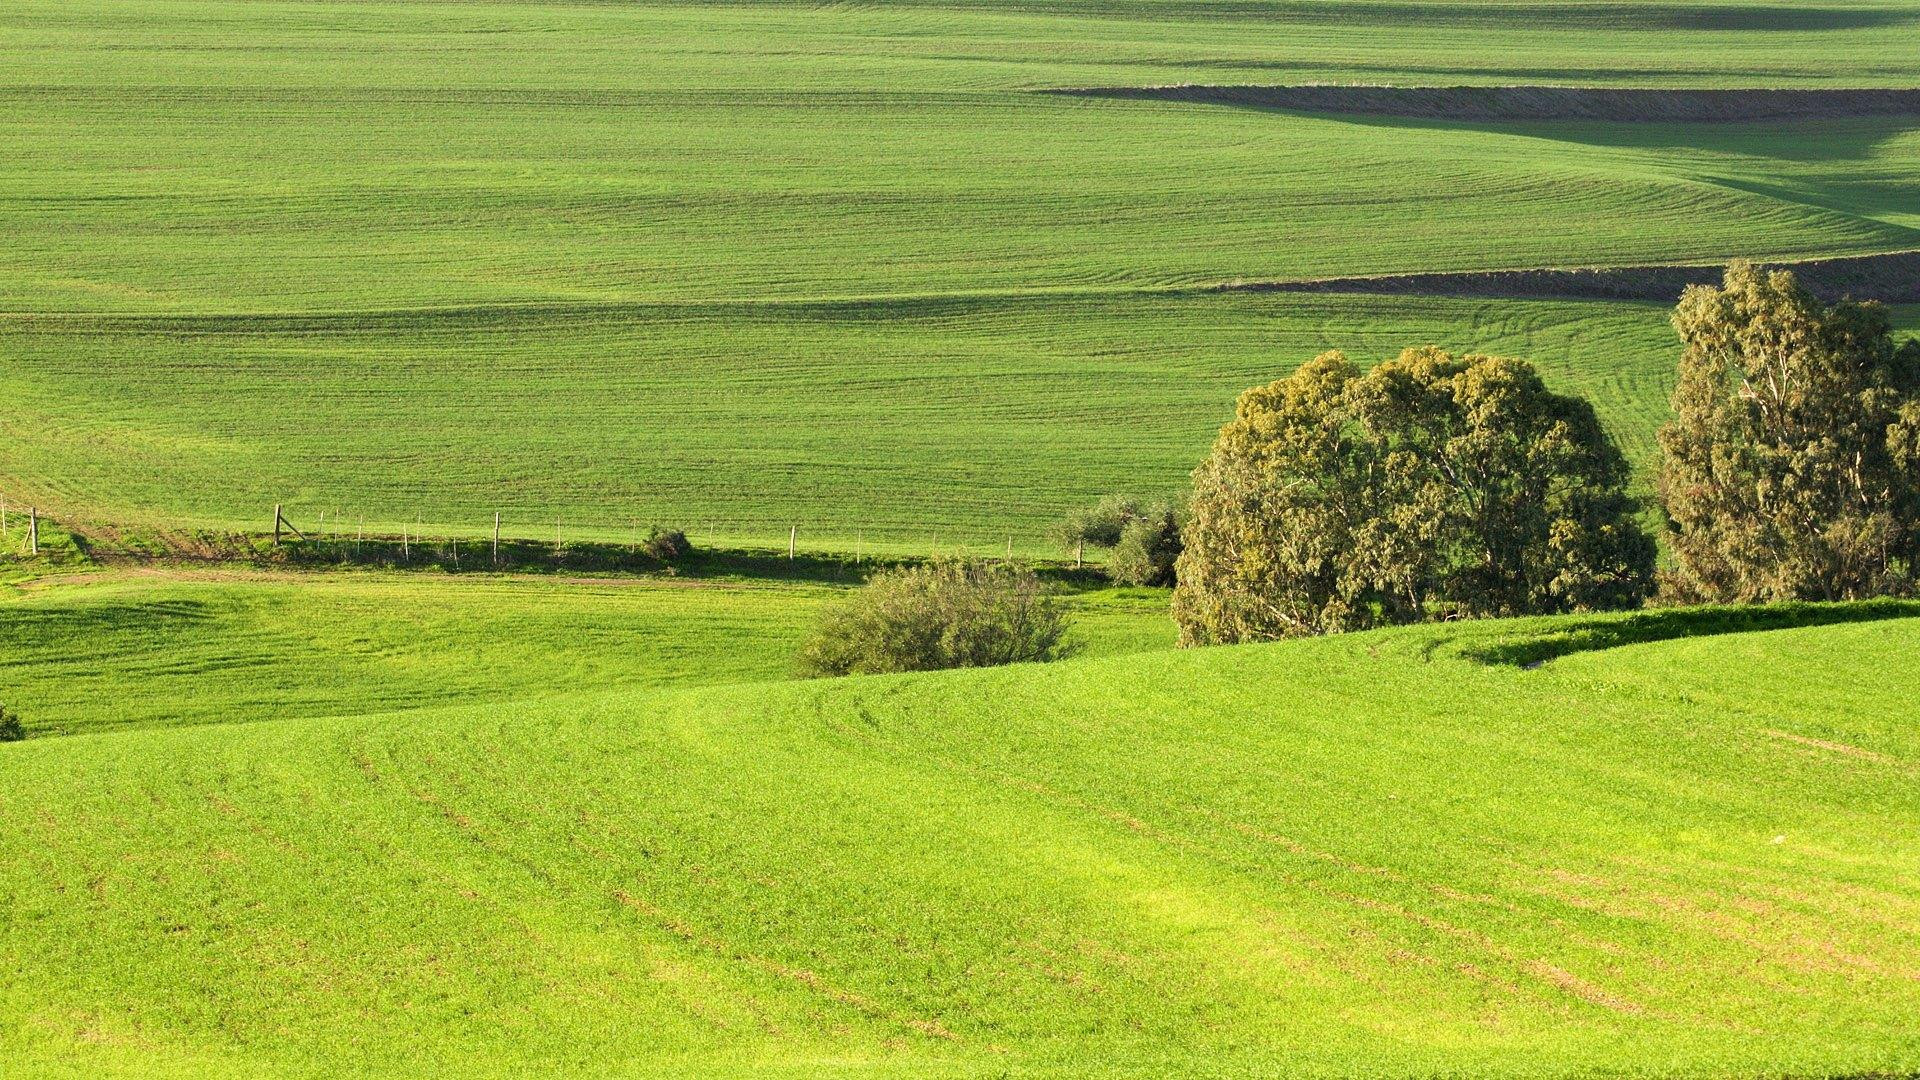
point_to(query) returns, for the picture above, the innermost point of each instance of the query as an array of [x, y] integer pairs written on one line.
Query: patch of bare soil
[[1483, 104], [1892, 278]]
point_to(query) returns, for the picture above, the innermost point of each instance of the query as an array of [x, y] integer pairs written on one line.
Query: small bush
[[667, 544], [1148, 547], [955, 613], [11, 729]]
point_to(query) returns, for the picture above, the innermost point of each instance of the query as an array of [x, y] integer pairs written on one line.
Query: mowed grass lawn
[[1349, 856], [750, 266], [163, 649]]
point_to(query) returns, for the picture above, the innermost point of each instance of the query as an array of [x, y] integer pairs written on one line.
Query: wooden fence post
[[1078, 546], [556, 538], [1009, 549], [496, 538], [33, 530], [281, 523], [793, 538]]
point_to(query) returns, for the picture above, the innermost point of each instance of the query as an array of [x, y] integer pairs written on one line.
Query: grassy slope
[[972, 417], [143, 650], [1356, 856], [657, 174], [882, 425], [202, 157]]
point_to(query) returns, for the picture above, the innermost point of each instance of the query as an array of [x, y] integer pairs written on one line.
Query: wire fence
[[513, 537], [20, 528], [505, 539]]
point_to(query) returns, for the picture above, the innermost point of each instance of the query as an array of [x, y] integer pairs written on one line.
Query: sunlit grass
[[141, 650], [1349, 856]]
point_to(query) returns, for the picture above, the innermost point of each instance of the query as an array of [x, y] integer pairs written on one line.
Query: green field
[[183, 647], [750, 266], [969, 418], [1351, 856], [844, 269]]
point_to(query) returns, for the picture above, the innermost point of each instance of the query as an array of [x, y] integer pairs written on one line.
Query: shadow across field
[[1606, 14], [1893, 278], [1570, 636], [608, 560], [1520, 104]]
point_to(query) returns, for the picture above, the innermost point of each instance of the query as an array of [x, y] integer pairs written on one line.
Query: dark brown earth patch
[[1893, 278], [1484, 104]]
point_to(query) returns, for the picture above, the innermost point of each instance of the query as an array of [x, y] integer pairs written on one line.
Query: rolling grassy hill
[[976, 418], [1352, 856], [145, 649], [746, 266], [886, 425]]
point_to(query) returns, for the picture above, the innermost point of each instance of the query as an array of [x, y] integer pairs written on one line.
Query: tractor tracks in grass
[[1886, 276]]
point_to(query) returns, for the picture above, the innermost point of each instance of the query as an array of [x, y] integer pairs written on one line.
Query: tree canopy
[[1791, 469], [1143, 535], [1432, 485]]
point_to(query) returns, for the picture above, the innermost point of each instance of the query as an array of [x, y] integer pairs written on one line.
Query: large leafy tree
[[1791, 468], [1431, 485]]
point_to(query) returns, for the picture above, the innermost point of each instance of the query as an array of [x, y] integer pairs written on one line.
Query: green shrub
[[666, 544], [1148, 548], [954, 613], [11, 729], [1099, 525], [1143, 536]]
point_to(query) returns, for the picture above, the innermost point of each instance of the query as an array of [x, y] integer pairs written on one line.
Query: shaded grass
[[1529, 644], [1535, 104]]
